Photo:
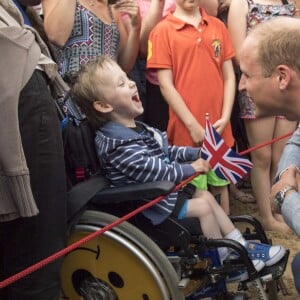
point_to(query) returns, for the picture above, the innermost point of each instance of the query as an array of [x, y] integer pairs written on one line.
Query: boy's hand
[[201, 165], [197, 133], [220, 125]]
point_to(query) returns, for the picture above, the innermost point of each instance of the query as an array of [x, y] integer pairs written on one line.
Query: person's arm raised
[[153, 16], [59, 18], [130, 38], [237, 25]]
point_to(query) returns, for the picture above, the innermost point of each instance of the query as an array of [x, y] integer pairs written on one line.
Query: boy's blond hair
[[86, 90]]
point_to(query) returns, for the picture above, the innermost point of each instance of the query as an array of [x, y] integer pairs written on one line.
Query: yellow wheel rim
[[120, 265]]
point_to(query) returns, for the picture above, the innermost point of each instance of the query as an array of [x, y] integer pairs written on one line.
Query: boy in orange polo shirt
[[192, 52]]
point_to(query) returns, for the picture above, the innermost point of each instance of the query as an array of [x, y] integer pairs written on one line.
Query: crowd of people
[[184, 59]]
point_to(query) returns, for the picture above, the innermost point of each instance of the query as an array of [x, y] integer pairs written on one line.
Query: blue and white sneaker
[[268, 254]]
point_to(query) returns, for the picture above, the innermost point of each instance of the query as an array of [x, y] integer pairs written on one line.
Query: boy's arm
[[174, 99], [183, 154], [136, 163], [228, 95]]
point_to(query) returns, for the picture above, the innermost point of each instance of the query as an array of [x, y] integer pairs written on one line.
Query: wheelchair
[[138, 261]]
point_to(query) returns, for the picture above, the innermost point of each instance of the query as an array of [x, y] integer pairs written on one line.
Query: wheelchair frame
[[137, 260]]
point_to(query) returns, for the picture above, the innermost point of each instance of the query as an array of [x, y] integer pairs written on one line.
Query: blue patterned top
[[89, 38]]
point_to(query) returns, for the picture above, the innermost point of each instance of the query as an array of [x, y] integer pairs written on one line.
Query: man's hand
[[290, 177], [197, 133]]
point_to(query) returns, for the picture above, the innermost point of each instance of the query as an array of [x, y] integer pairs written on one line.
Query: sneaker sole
[[276, 258], [259, 266]]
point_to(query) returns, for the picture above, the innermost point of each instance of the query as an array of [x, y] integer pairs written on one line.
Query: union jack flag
[[227, 164]]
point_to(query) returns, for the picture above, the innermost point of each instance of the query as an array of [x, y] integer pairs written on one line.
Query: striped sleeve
[[136, 163], [183, 154]]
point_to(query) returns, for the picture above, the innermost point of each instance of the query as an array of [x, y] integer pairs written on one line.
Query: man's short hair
[[278, 43]]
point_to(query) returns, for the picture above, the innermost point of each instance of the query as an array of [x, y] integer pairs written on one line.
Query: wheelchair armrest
[[135, 191], [96, 190], [82, 193]]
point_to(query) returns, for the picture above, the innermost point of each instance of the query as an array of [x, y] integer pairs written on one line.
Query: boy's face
[[210, 6], [188, 4], [120, 94]]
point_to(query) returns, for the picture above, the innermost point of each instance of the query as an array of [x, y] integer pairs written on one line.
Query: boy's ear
[[102, 107]]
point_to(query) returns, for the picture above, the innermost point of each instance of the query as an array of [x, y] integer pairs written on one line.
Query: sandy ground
[[290, 241]]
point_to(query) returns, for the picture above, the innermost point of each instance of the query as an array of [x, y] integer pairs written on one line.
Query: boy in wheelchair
[[130, 151]]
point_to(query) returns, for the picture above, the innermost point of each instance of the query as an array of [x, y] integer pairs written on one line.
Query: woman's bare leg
[[260, 131]]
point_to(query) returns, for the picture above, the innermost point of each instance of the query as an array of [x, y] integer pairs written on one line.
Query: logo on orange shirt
[[216, 44]]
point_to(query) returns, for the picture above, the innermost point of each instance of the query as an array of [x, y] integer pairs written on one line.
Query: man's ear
[[283, 76], [102, 107]]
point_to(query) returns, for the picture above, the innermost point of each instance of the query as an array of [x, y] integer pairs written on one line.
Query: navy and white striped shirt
[[128, 156]]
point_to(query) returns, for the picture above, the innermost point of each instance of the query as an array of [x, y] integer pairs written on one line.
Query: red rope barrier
[[266, 143], [89, 237], [86, 239]]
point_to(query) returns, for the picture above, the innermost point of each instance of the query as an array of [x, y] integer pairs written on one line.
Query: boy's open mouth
[[136, 98]]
